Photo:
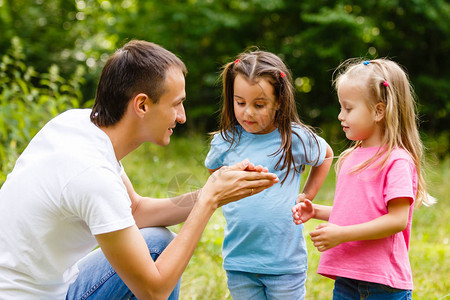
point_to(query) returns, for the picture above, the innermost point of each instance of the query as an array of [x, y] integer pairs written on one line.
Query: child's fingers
[[298, 221], [301, 198], [318, 244], [308, 203], [321, 225], [260, 168], [252, 168], [316, 233], [321, 248]]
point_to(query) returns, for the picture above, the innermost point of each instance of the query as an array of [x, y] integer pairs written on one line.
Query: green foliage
[[312, 36], [29, 99]]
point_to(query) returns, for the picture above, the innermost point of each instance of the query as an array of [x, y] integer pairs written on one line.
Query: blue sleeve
[[308, 147], [217, 152]]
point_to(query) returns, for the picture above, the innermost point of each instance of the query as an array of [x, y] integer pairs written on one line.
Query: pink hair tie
[[237, 61], [385, 83], [282, 75]]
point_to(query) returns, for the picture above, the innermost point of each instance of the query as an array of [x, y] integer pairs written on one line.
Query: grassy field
[[178, 168]]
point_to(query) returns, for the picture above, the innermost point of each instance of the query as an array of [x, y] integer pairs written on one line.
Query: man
[[68, 192]]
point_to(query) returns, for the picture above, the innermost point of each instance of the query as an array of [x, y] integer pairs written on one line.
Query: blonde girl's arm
[[329, 235]]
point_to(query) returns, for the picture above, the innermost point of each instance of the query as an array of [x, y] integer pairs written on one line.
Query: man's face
[[164, 115]]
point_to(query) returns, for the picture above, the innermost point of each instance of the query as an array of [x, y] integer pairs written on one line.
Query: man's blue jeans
[[349, 289], [98, 280]]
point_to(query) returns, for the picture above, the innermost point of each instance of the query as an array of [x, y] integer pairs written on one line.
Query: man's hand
[[231, 183], [303, 211]]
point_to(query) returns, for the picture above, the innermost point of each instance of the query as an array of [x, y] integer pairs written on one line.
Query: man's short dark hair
[[138, 67]]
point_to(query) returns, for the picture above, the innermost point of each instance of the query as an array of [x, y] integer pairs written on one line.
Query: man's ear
[[380, 111], [141, 104]]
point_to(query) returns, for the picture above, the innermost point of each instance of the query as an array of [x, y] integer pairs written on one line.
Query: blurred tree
[[26, 106], [312, 36]]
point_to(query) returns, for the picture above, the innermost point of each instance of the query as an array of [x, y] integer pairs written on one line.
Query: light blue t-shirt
[[260, 236]]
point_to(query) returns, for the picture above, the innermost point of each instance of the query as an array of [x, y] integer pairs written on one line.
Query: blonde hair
[[386, 82]]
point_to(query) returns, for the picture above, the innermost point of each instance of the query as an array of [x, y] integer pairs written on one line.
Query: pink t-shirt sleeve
[[398, 183]]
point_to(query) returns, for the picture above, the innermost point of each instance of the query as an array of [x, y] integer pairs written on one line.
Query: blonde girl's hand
[[326, 236], [303, 211]]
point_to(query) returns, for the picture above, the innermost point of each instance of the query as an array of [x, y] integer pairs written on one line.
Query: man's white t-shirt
[[65, 188]]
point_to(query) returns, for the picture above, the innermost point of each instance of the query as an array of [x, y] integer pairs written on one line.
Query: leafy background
[[312, 36], [52, 53]]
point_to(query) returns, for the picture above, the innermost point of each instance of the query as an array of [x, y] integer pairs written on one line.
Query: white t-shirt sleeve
[[99, 198]]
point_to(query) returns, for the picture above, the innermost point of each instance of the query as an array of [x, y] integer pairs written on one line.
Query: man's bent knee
[[157, 239]]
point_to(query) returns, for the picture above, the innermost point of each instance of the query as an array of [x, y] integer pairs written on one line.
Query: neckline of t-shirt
[[369, 149], [257, 136], [108, 142]]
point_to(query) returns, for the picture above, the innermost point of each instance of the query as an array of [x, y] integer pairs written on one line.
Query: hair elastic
[[282, 75], [237, 61], [385, 83], [366, 62]]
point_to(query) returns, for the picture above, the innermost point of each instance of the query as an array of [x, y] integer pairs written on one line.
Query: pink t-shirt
[[362, 197]]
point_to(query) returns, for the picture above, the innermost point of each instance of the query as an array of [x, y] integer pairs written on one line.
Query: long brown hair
[[254, 65], [386, 82]]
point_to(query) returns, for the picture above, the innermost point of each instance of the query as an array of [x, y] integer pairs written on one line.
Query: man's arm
[[148, 212], [128, 254], [127, 251]]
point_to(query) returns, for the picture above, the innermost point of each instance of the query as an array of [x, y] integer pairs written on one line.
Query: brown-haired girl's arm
[[304, 209], [317, 176]]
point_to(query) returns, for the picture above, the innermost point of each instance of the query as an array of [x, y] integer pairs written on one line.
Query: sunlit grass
[[155, 172]]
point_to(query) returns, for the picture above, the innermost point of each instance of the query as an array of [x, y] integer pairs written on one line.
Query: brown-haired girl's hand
[[303, 211], [252, 168]]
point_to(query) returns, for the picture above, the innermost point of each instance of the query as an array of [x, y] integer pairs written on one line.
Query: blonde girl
[[264, 253], [379, 181]]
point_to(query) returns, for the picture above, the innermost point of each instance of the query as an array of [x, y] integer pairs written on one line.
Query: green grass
[[178, 168]]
